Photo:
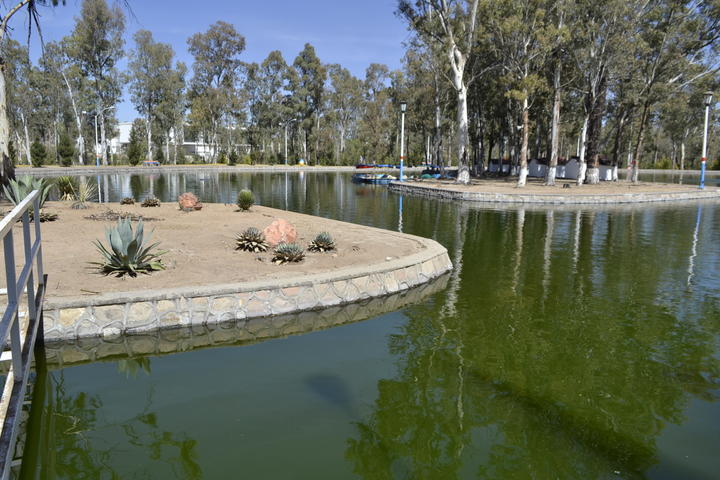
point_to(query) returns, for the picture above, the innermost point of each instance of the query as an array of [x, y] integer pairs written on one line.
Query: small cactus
[[288, 253], [252, 240], [323, 243], [151, 201], [127, 201], [245, 199]]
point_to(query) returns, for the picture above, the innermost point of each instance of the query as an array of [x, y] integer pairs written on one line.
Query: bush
[[129, 252], [38, 154], [66, 150], [245, 199], [66, 188], [233, 158], [247, 160], [222, 158]]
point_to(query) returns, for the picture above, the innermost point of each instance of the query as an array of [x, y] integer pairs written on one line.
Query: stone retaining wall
[[113, 315], [236, 332], [554, 199]]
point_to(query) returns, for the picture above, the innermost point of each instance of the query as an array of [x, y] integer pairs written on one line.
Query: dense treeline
[[615, 81]]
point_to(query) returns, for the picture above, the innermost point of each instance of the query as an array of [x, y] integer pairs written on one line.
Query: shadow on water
[[566, 343], [333, 390]]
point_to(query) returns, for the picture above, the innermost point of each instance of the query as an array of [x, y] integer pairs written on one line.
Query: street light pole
[[703, 161], [403, 107], [285, 143]]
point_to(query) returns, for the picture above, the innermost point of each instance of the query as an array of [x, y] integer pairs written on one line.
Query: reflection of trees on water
[[68, 445], [574, 375]]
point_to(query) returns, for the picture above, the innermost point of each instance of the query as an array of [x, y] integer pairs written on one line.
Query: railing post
[[12, 298], [29, 285], [38, 239]]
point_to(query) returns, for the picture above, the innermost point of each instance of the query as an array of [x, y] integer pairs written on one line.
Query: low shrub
[[323, 243], [245, 200]]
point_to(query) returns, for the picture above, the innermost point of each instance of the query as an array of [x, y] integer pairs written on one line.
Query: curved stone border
[[553, 199], [111, 315], [73, 171], [238, 332]]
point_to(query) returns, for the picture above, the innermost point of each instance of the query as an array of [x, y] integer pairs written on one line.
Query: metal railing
[[24, 328]]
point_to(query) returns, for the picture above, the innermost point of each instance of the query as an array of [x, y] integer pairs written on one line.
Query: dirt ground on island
[[200, 247], [535, 186]]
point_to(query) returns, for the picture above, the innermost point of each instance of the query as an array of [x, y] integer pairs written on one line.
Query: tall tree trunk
[[554, 128], [595, 127], [682, 155], [27, 138], [103, 140], [148, 135], [581, 162], [79, 141], [522, 175], [462, 134], [639, 145]]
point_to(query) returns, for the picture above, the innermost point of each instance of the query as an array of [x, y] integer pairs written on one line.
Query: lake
[[569, 343]]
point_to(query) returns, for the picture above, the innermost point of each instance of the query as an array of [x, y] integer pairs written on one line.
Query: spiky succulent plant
[[323, 243], [130, 252], [288, 253], [127, 201], [150, 201], [252, 240], [84, 195]]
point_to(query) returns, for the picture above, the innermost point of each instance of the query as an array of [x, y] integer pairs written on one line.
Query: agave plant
[[252, 240], [18, 189], [288, 253], [151, 201], [130, 251], [323, 243], [85, 193], [245, 200], [127, 201]]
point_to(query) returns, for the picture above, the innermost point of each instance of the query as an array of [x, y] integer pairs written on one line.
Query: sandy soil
[[535, 186], [200, 247]]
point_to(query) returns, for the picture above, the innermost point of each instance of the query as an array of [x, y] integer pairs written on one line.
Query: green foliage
[[150, 201], [137, 146], [247, 160], [86, 192], [233, 158], [38, 154], [159, 155], [288, 253], [222, 158], [12, 152], [66, 187], [17, 190], [245, 200], [66, 150], [129, 252], [252, 240], [127, 201], [323, 242]]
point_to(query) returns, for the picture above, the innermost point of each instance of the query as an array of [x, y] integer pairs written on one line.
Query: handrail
[[26, 338]]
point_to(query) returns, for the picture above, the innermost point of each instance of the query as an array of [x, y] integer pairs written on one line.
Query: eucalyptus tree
[[19, 95], [307, 89], [345, 104], [676, 47], [7, 170], [96, 46], [216, 71], [151, 80], [450, 27], [377, 120], [519, 32]]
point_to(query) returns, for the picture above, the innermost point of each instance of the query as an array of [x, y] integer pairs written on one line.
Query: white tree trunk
[[523, 173], [682, 155], [583, 163], [554, 130], [462, 133], [148, 134], [6, 163], [79, 141], [103, 140], [27, 138]]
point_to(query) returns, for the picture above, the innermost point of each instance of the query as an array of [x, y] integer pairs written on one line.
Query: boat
[[373, 178], [374, 165]]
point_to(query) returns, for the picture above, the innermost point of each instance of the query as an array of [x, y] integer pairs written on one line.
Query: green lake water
[[568, 344]]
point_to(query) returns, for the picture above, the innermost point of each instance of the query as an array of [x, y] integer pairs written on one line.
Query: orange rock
[[188, 201], [280, 231]]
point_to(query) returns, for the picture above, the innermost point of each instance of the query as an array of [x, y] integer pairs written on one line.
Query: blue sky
[[351, 33]]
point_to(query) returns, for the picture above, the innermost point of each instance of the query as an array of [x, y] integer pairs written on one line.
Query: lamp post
[[97, 146], [703, 161], [403, 107]]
